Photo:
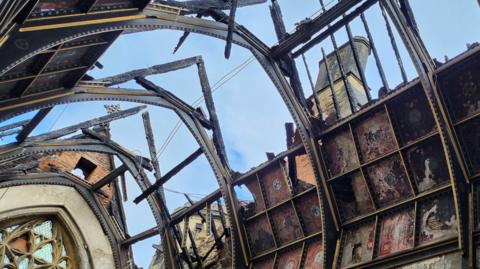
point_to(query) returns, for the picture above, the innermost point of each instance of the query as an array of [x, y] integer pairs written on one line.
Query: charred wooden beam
[[409, 16], [316, 99], [142, 236], [184, 36], [305, 31], [375, 53], [394, 44], [153, 70], [209, 221], [217, 132], [180, 104], [292, 165], [110, 177], [142, 162], [86, 124], [210, 250], [14, 125], [178, 216], [168, 175], [9, 132], [334, 27], [194, 247], [292, 71], [231, 27], [332, 87], [153, 152], [199, 213], [32, 124]]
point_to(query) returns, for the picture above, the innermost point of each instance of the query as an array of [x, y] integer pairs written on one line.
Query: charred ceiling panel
[[389, 181], [314, 257], [461, 90], [412, 116], [275, 184], [286, 224], [258, 201], [396, 232], [340, 153], [309, 212], [358, 244], [375, 136], [290, 259], [469, 133], [461, 85], [427, 164], [352, 196], [265, 263], [437, 219], [260, 235]]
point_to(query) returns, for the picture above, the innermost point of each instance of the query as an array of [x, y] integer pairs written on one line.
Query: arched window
[[40, 243]]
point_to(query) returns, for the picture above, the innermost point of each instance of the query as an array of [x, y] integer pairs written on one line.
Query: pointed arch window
[[40, 243]]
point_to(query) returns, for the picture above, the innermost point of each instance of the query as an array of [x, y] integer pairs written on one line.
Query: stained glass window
[[34, 244]]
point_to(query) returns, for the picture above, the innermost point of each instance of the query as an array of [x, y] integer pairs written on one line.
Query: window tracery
[[40, 243]]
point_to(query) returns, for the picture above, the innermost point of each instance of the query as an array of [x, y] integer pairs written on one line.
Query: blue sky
[[251, 112]]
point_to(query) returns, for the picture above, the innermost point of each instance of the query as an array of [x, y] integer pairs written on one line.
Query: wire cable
[[216, 86]]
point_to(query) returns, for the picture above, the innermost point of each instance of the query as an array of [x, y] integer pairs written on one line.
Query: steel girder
[[41, 39]]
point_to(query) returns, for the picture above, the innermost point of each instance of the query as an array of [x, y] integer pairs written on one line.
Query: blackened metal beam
[[180, 104], [334, 27], [32, 124], [305, 31], [153, 70], [168, 175], [110, 177], [86, 124]]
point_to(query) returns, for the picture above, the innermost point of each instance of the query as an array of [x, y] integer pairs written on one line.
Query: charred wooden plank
[[153, 70], [168, 175], [110, 177], [86, 124]]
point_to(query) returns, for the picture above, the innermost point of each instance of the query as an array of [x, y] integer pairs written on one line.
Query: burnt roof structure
[[390, 184]]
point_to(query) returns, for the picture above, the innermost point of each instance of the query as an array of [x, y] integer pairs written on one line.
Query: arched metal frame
[[152, 20], [86, 145]]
